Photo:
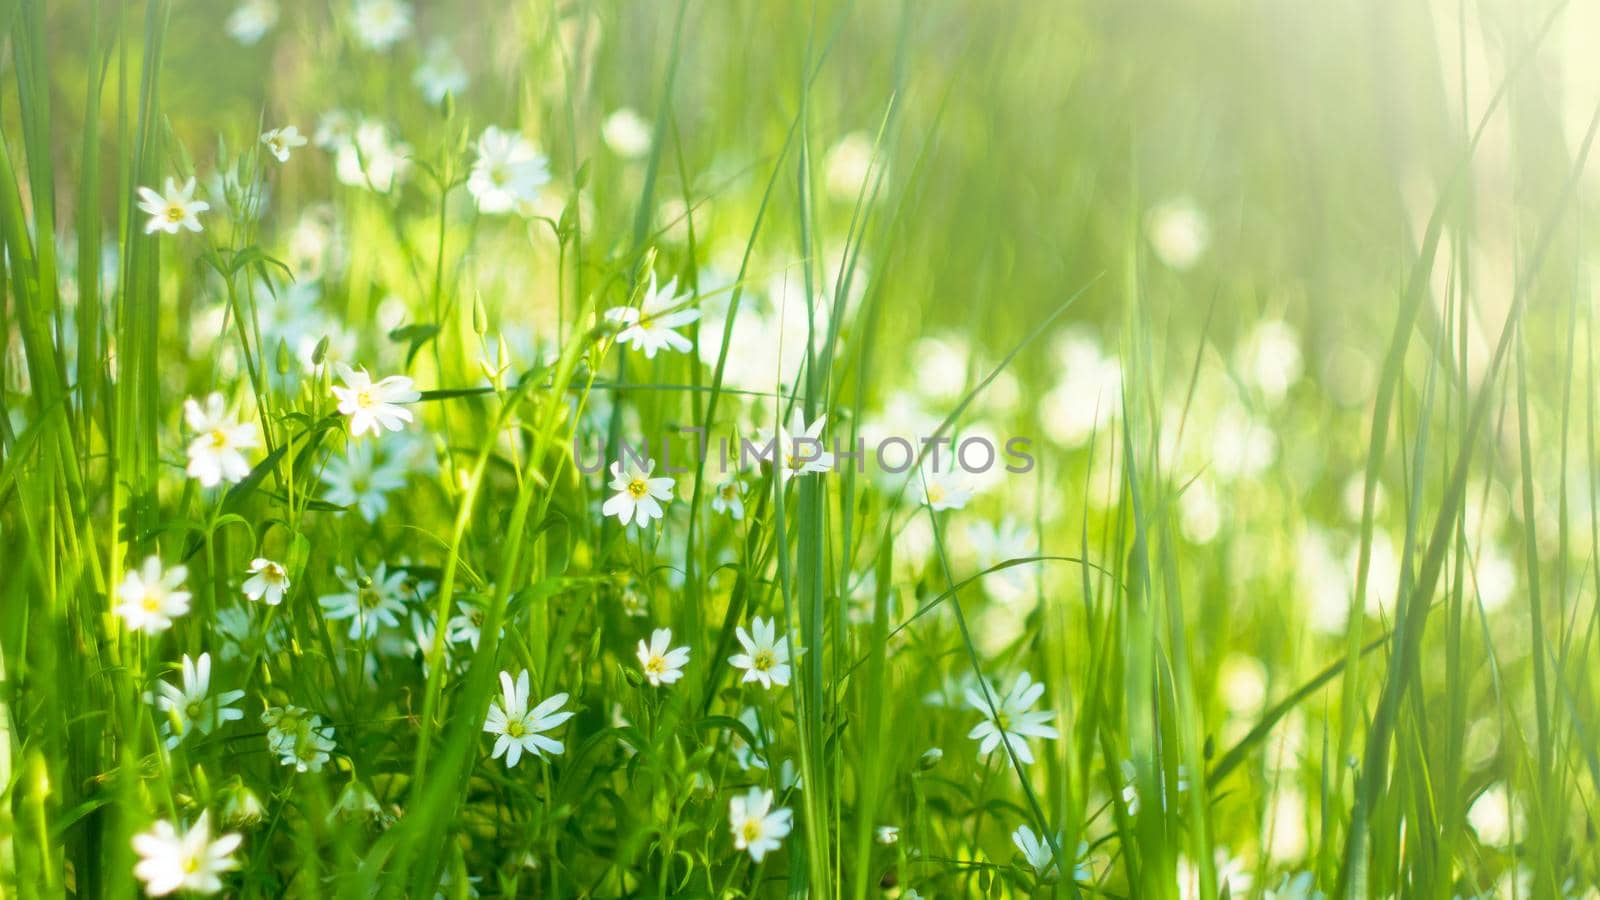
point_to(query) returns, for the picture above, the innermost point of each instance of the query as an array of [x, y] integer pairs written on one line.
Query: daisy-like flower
[[729, 498], [217, 452], [358, 479], [251, 20], [190, 861], [649, 328], [1011, 719], [638, 497], [756, 826], [662, 665], [191, 708], [268, 581], [152, 597], [380, 23], [365, 153], [172, 209], [943, 490], [766, 656], [371, 601], [298, 738], [508, 172], [799, 447], [280, 141], [441, 73], [374, 407], [518, 728]]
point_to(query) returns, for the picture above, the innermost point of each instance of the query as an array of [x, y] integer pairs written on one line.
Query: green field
[[608, 448]]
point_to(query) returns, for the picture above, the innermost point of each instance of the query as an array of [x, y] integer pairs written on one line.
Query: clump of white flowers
[[298, 738]]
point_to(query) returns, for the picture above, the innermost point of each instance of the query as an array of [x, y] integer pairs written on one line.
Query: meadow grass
[[376, 516]]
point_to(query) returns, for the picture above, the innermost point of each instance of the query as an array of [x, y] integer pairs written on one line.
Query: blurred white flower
[[251, 20], [441, 73], [638, 497], [943, 488], [358, 479], [847, 165], [661, 662], [1271, 358], [766, 656], [626, 133], [887, 835], [191, 707], [1494, 817], [365, 155], [1011, 718], [508, 172], [190, 861], [1179, 232], [757, 827], [517, 728], [374, 407], [370, 602], [729, 498], [1035, 850], [298, 738], [1199, 513], [217, 452], [798, 449], [1285, 837], [268, 581], [152, 598], [1088, 396], [380, 23], [173, 209], [280, 141]]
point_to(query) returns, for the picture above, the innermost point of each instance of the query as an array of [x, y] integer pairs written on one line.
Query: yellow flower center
[[370, 598], [191, 864], [219, 438], [656, 666], [151, 602], [751, 830], [637, 488], [175, 212], [364, 399], [514, 728], [935, 492], [764, 660]]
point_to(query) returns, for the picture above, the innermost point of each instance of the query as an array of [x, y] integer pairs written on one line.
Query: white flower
[[189, 708], [374, 407], [649, 328], [173, 208], [756, 826], [942, 490], [660, 664], [297, 737], [380, 23], [626, 133], [251, 20], [1179, 232], [765, 657], [729, 498], [466, 626], [268, 581], [359, 480], [637, 498], [1035, 851], [887, 834], [508, 172], [799, 447], [365, 155], [280, 141], [1011, 719], [370, 603], [994, 544], [152, 598], [519, 729], [440, 74], [217, 452], [191, 861]]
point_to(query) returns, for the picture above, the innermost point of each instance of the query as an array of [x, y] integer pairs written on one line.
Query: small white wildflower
[[518, 728], [268, 581], [217, 453], [1011, 719], [369, 602], [152, 598], [662, 663], [374, 407], [638, 496], [190, 708], [765, 657], [757, 827], [173, 209], [649, 328], [280, 141], [170, 861], [508, 172]]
